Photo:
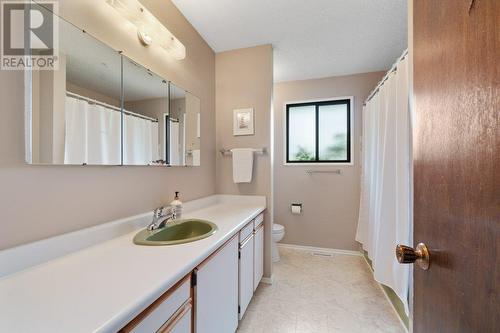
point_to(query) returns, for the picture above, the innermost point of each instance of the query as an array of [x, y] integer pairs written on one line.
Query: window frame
[[317, 103]]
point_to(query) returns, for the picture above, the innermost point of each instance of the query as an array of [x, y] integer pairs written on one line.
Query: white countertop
[[102, 287]]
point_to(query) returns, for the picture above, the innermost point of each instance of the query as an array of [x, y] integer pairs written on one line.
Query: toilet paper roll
[[296, 209]]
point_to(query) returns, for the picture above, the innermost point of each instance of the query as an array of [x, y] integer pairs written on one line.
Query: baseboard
[[268, 280], [388, 298], [319, 249]]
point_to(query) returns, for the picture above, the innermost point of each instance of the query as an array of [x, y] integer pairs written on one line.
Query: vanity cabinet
[[172, 312], [251, 268], [246, 270], [216, 291]]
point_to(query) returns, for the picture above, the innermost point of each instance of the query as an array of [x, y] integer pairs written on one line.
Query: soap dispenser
[[176, 205]]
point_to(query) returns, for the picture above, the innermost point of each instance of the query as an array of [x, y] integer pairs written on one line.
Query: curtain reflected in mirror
[[145, 97], [101, 108], [75, 110]]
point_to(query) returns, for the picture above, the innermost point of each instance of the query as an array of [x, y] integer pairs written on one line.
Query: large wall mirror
[[75, 110], [183, 125], [101, 108], [145, 103]]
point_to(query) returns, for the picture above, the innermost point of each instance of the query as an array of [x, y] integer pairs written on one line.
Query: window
[[318, 132]]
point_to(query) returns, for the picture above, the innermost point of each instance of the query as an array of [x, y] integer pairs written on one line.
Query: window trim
[[350, 137]]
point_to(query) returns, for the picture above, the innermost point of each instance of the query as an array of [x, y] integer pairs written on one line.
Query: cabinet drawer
[[158, 313], [246, 231], [181, 321], [258, 221]]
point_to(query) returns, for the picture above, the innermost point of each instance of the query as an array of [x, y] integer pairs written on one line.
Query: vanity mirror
[[75, 114], [183, 123], [101, 108], [145, 102]]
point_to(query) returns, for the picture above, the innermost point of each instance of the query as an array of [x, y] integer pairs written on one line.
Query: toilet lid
[[278, 228]]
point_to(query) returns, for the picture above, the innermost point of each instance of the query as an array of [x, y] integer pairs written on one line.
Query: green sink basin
[[176, 232]]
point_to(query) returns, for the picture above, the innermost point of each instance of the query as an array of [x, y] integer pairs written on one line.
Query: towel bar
[[225, 151], [338, 171]]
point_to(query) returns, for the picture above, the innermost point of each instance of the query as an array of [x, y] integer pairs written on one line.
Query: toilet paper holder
[[296, 208]]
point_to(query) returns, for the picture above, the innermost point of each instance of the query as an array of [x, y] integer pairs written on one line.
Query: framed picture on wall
[[243, 123]]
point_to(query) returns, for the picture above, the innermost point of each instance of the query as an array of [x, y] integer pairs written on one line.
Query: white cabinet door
[[216, 293], [258, 256], [246, 273]]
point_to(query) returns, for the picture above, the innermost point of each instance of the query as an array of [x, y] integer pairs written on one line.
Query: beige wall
[[244, 79], [92, 94], [42, 201], [192, 110], [330, 201], [48, 117], [178, 107]]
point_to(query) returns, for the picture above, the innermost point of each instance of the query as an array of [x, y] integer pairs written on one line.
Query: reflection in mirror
[[145, 102], [183, 128], [75, 110]]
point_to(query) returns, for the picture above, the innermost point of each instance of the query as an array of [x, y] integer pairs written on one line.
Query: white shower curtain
[[140, 141], [75, 145], [93, 136], [103, 136], [384, 215]]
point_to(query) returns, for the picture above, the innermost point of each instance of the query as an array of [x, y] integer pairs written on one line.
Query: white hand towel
[[242, 165]]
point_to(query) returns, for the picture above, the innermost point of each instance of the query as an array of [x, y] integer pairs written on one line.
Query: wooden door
[[457, 165]]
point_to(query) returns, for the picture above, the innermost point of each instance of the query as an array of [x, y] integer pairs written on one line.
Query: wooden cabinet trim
[[176, 317], [146, 312], [246, 231], [261, 226], [259, 220], [246, 240]]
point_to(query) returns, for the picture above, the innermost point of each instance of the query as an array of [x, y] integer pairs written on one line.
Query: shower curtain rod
[[386, 76], [108, 106]]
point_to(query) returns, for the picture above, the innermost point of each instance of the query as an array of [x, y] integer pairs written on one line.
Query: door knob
[[409, 255]]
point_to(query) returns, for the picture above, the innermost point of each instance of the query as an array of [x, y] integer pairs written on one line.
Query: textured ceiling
[[311, 38]]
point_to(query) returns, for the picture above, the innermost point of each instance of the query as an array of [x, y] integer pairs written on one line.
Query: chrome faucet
[[160, 219]]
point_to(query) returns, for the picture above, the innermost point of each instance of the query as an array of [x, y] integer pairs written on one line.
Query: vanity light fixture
[[149, 29]]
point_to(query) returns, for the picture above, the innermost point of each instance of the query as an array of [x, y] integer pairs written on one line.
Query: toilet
[[278, 234]]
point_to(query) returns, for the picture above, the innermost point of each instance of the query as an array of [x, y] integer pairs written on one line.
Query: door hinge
[[239, 309], [239, 254], [194, 278]]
